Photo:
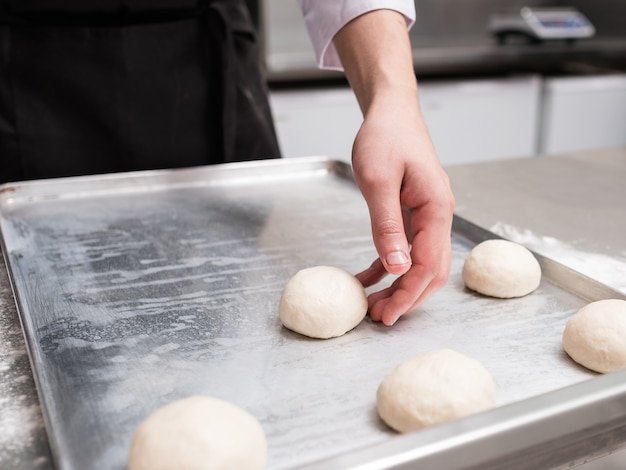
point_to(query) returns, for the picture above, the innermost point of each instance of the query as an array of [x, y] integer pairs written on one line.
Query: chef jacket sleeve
[[324, 18]]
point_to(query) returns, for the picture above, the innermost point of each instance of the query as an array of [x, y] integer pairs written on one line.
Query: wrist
[[376, 55]]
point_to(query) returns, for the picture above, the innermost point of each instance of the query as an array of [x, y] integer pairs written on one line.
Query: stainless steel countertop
[[23, 440], [566, 207], [570, 208]]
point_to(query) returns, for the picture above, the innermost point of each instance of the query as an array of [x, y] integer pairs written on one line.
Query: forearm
[[376, 55]]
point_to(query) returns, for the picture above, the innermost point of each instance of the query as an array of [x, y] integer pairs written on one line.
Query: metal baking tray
[[138, 289]]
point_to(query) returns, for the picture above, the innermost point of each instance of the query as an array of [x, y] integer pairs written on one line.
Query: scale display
[[542, 24]]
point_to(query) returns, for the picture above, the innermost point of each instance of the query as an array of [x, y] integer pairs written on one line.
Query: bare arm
[[396, 166]]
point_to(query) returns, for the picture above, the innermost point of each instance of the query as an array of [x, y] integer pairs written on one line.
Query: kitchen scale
[[540, 24]]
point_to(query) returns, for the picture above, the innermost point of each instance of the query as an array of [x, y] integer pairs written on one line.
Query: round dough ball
[[501, 268], [433, 388], [595, 336], [198, 433], [322, 302]]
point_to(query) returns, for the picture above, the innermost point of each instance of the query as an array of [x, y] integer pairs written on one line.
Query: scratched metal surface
[[140, 289]]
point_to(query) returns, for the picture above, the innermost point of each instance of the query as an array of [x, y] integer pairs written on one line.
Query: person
[[103, 86]]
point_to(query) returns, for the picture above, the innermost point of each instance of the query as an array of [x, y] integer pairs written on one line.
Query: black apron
[[104, 86]]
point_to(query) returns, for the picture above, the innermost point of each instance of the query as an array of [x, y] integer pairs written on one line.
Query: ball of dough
[[322, 302], [595, 336], [501, 268], [433, 388], [198, 433]]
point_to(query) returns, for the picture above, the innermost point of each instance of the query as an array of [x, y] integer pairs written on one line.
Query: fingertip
[[375, 313], [391, 319], [377, 303]]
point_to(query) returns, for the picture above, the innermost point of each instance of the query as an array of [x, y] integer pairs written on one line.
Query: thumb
[[388, 229]]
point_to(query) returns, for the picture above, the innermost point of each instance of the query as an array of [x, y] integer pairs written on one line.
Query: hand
[[395, 165], [410, 202]]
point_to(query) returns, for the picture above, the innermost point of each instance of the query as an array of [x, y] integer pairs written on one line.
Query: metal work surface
[[135, 290], [570, 208], [23, 440]]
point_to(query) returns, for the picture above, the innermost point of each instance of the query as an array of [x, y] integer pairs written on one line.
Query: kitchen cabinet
[[469, 120], [583, 113], [480, 120], [316, 121]]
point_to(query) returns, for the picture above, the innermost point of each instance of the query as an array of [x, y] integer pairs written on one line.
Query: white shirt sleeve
[[324, 18]]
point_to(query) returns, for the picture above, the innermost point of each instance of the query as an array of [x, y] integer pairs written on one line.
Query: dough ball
[[198, 433], [595, 336], [322, 302], [500, 268], [433, 388]]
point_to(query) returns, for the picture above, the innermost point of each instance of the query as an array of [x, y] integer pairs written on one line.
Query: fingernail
[[397, 258]]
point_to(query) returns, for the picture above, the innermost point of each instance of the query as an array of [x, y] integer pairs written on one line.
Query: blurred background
[[483, 98]]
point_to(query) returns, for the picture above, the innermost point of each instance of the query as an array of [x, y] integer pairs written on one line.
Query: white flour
[[605, 269]]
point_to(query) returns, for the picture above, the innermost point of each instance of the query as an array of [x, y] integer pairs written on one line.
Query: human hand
[[411, 206], [395, 166]]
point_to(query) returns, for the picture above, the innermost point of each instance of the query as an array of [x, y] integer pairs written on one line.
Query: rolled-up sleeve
[[324, 18]]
